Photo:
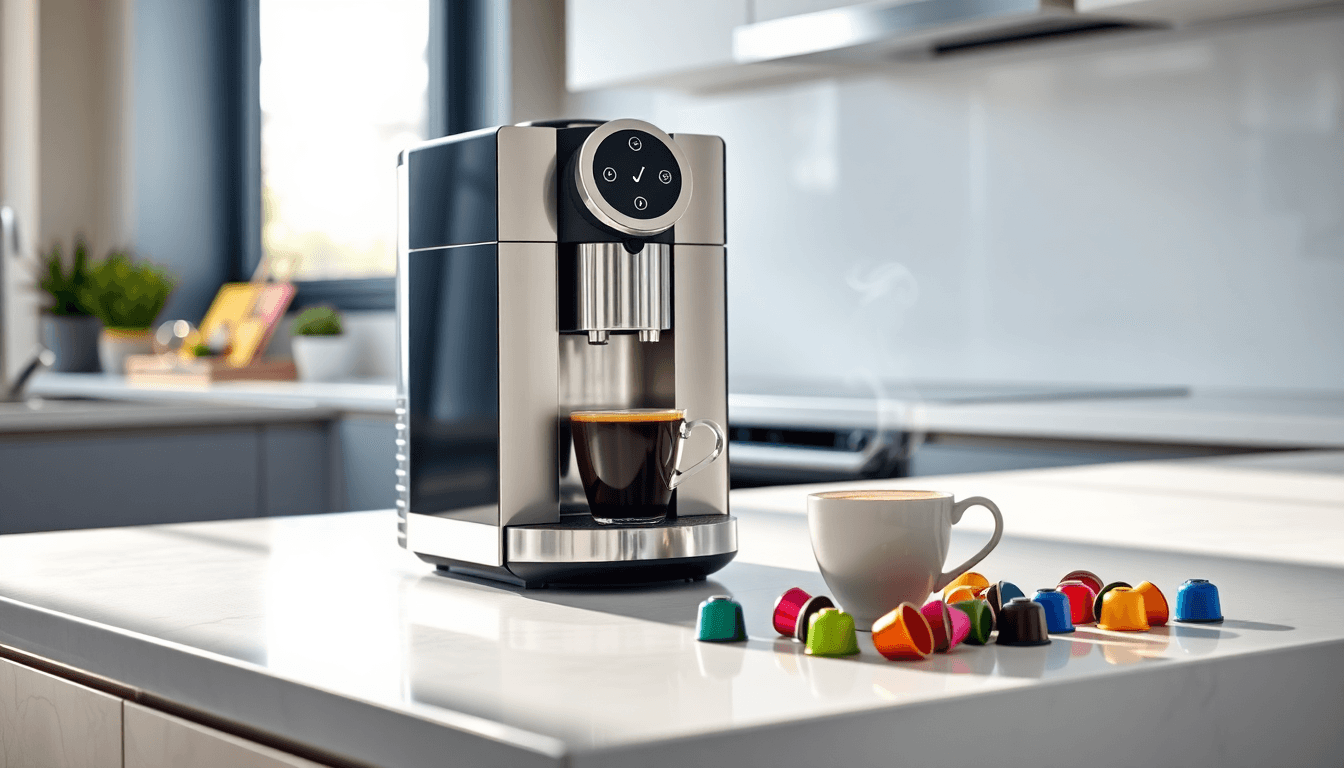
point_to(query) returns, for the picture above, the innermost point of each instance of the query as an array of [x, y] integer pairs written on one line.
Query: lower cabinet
[[156, 740], [50, 722]]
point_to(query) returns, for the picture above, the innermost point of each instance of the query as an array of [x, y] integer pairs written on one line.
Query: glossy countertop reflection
[[322, 630]]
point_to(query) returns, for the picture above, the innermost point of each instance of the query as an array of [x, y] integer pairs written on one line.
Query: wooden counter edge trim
[[156, 702]]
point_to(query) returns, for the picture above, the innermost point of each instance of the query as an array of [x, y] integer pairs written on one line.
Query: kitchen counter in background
[[933, 430], [374, 397], [319, 633]]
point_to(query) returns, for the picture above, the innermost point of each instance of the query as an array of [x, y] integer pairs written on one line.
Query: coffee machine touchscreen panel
[[637, 174]]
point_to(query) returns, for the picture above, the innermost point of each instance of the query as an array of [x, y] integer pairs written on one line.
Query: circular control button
[[646, 185], [631, 178]]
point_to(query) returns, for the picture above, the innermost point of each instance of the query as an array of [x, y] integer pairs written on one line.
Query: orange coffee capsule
[[967, 579], [903, 633], [1154, 603], [958, 594], [1122, 609]]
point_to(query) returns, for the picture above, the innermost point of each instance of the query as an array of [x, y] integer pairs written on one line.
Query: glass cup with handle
[[628, 460]]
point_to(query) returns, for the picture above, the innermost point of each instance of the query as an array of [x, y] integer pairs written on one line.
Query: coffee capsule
[[1197, 602], [784, 617], [903, 634], [981, 620], [720, 621], [1081, 600], [957, 594], [1154, 603], [961, 626], [1058, 612], [998, 594], [831, 633], [809, 608], [1096, 604], [1022, 622], [1087, 577], [967, 579], [940, 623], [1122, 609]]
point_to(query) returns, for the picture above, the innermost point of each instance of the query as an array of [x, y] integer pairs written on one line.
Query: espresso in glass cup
[[628, 460]]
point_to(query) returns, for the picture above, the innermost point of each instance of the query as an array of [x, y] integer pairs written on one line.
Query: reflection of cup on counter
[[878, 549]]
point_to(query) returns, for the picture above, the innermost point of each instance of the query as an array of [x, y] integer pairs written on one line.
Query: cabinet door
[[1185, 11], [156, 740], [47, 722], [622, 42]]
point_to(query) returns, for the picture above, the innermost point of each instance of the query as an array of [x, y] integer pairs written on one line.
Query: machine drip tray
[[578, 539]]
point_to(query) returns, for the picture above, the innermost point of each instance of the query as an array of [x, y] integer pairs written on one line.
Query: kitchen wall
[[1158, 208]]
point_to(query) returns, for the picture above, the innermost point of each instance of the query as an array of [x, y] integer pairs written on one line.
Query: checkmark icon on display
[[641, 173]]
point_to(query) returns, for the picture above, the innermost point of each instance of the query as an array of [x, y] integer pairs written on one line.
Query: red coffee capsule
[[1081, 597], [787, 609], [1092, 580]]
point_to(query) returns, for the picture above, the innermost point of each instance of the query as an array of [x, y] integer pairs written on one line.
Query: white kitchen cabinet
[[765, 10], [1181, 12], [157, 740], [48, 722], [621, 42]]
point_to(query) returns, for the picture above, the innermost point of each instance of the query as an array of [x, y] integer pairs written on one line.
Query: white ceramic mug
[[878, 549]]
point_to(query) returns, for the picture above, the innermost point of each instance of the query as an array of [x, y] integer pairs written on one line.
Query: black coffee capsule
[[810, 608], [1021, 621]]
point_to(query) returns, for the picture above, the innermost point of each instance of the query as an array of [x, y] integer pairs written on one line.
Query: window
[[343, 86]]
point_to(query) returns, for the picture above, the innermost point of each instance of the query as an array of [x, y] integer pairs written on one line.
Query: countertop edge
[[242, 693]]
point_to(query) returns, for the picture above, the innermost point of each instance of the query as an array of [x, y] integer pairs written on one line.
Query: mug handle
[[957, 511], [719, 440]]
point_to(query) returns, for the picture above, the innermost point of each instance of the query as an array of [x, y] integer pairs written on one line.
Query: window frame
[[464, 67]]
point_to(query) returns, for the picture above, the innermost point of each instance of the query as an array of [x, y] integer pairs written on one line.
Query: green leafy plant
[[318, 321], [125, 294], [64, 288]]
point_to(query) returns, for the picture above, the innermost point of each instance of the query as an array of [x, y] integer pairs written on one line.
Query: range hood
[[901, 29]]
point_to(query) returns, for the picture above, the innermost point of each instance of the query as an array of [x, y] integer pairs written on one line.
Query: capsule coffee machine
[[546, 268]]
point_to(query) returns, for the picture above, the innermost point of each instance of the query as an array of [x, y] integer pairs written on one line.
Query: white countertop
[[358, 396], [322, 630]]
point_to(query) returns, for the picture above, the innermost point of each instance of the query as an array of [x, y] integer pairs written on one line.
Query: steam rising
[[886, 293]]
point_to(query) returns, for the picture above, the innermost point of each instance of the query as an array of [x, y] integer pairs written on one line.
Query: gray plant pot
[[74, 340]]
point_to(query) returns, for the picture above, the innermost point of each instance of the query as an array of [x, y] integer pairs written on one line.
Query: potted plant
[[69, 329], [127, 297], [322, 351]]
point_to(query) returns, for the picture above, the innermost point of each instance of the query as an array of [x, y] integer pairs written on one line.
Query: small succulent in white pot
[[322, 350]]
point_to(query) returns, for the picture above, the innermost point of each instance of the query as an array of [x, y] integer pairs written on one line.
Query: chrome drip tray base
[[578, 539], [579, 552]]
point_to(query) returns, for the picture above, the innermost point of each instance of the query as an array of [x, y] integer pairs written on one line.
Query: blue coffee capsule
[[1008, 591], [1197, 602], [1058, 612], [720, 621]]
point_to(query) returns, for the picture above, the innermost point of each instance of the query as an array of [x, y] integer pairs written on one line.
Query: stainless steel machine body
[[543, 269]]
